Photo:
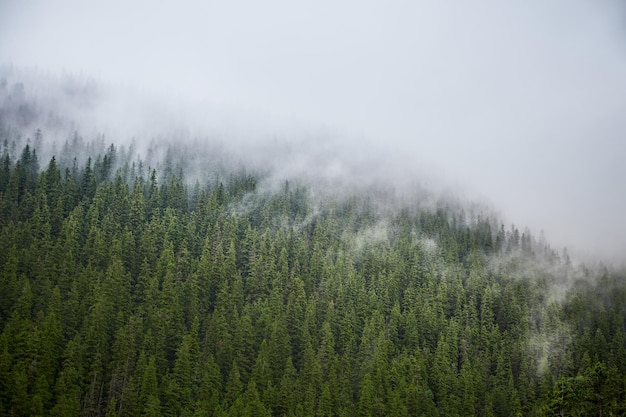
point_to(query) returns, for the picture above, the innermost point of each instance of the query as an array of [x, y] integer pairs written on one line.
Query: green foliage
[[129, 295]]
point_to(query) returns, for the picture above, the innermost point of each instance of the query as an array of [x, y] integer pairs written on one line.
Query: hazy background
[[520, 103]]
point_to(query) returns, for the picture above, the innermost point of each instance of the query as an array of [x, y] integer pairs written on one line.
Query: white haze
[[521, 103]]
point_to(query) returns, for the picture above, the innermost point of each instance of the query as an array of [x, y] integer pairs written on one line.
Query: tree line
[[125, 291]]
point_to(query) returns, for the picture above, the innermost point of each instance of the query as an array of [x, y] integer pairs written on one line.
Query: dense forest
[[131, 289]]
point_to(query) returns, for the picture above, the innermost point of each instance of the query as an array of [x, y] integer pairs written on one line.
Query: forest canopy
[[129, 287]]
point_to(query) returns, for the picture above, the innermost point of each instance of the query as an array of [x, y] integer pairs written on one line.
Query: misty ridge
[[158, 258], [76, 117], [518, 106], [325, 209], [206, 140], [76, 104]]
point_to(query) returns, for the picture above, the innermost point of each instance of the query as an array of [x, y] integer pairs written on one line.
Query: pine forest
[[130, 286]]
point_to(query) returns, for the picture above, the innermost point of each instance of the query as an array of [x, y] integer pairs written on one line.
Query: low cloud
[[520, 105]]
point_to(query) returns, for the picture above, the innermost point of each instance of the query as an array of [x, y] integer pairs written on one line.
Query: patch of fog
[[429, 245], [208, 139], [555, 279], [206, 135], [550, 346], [371, 235]]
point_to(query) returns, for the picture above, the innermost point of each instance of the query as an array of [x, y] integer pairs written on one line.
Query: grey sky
[[521, 102]]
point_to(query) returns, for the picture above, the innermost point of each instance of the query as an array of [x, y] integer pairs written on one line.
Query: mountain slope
[[127, 290]]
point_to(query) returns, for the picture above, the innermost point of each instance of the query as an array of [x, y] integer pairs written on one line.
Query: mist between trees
[[170, 279]]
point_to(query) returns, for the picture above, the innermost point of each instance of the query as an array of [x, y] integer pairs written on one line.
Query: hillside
[[132, 285]]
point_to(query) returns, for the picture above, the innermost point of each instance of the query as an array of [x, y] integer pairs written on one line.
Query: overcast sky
[[522, 102]]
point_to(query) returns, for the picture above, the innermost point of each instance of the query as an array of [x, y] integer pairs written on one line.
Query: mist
[[517, 105]]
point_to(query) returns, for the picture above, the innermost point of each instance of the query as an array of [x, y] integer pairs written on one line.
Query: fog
[[519, 104]]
